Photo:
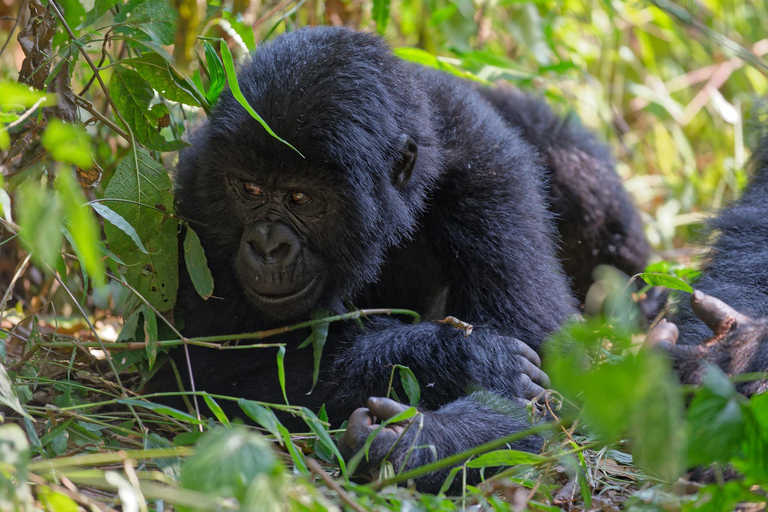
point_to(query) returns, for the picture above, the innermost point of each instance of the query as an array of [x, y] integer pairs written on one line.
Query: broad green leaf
[[674, 283], [234, 86], [40, 215], [156, 70], [155, 18], [132, 96], [5, 139], [506, 458], [197, 264], [100, 8], [119, 222], [85, 231], [226, 462], [716, 420], [216, 74], [147, 187]]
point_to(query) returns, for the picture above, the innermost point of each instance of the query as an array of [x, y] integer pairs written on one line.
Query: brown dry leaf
[[35, 41], [66, 109]]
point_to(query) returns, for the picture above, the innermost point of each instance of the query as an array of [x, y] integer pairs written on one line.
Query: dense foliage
[[97, 95]]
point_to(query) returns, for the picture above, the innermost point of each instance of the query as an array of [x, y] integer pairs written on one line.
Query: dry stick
[[79, 498], [318, 470], [26, 114], [98, 338], [19, 271]]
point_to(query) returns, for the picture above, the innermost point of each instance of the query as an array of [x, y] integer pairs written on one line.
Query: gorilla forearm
[[446, 364]]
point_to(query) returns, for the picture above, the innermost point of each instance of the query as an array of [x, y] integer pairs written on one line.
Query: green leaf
[[234, 86], [163, 78], [15, 94], [317, 337], [281, 372], [216, 74], [133, 96], [143, 182], [100, 8], [410, 385], [160, 409], [150, 333], [119, 222], [67, 143], [657, 279], [8, 396], [197, 264], [323, 437], [381, 14], [226, 462], [261, 415], [40, 216], [85, 231], [506, 458], [216, 410], [155, 18]]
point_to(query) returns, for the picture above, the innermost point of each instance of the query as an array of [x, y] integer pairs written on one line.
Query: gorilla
[[412, 189], [726, 321]]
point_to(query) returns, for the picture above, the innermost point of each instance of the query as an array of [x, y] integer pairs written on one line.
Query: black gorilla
[[735, 272], [416, 191]]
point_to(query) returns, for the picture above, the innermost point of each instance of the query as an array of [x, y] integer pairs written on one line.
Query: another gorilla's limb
[[735, 271], [739, 344], [596, 219], [459, 426]]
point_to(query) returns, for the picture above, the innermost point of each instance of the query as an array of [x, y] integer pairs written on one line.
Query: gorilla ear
[[405, 164]]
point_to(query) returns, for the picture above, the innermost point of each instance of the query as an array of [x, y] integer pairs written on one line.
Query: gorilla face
[[299, 232]]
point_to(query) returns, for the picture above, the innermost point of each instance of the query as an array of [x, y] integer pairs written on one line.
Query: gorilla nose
[[272, 242]]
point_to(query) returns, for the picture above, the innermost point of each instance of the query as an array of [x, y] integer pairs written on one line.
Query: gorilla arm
[[449, 366]]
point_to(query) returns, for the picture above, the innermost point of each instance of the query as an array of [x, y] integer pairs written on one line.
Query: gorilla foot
[[738, 343], [391, 442]]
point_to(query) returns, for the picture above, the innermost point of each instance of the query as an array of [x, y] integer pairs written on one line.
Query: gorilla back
[[412, 192]]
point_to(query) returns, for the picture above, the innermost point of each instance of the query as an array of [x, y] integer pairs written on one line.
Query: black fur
[[736, 272], [468, 235]]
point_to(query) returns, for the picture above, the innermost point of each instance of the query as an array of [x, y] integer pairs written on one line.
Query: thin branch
[[318, 470], [88, 107]]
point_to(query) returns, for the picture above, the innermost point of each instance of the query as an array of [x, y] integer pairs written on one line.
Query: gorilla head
[[299, 233]]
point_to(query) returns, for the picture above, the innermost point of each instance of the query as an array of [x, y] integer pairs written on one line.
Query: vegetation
[[89, 251]]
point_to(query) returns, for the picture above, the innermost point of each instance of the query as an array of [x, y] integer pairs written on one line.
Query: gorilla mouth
[[280, 298]]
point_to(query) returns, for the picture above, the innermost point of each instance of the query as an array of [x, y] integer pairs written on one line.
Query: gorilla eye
[[253, 189], [299, 197]]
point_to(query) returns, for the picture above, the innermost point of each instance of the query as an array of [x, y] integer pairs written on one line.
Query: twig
[[76, 496], [318, 470], [88, 59], [19, 271], [88, 106], [25, 115]]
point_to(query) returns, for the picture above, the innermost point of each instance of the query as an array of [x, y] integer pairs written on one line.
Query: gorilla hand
[[532, 380], [739, 343], [391, 443]]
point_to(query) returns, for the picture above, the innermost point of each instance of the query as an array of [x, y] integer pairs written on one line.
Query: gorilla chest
[[412, 277]]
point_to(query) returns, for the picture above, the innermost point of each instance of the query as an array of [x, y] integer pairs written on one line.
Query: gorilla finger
[[530, 354], [385, 408], [530, 390], [664, 332], [718, 315], [535, 373]]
